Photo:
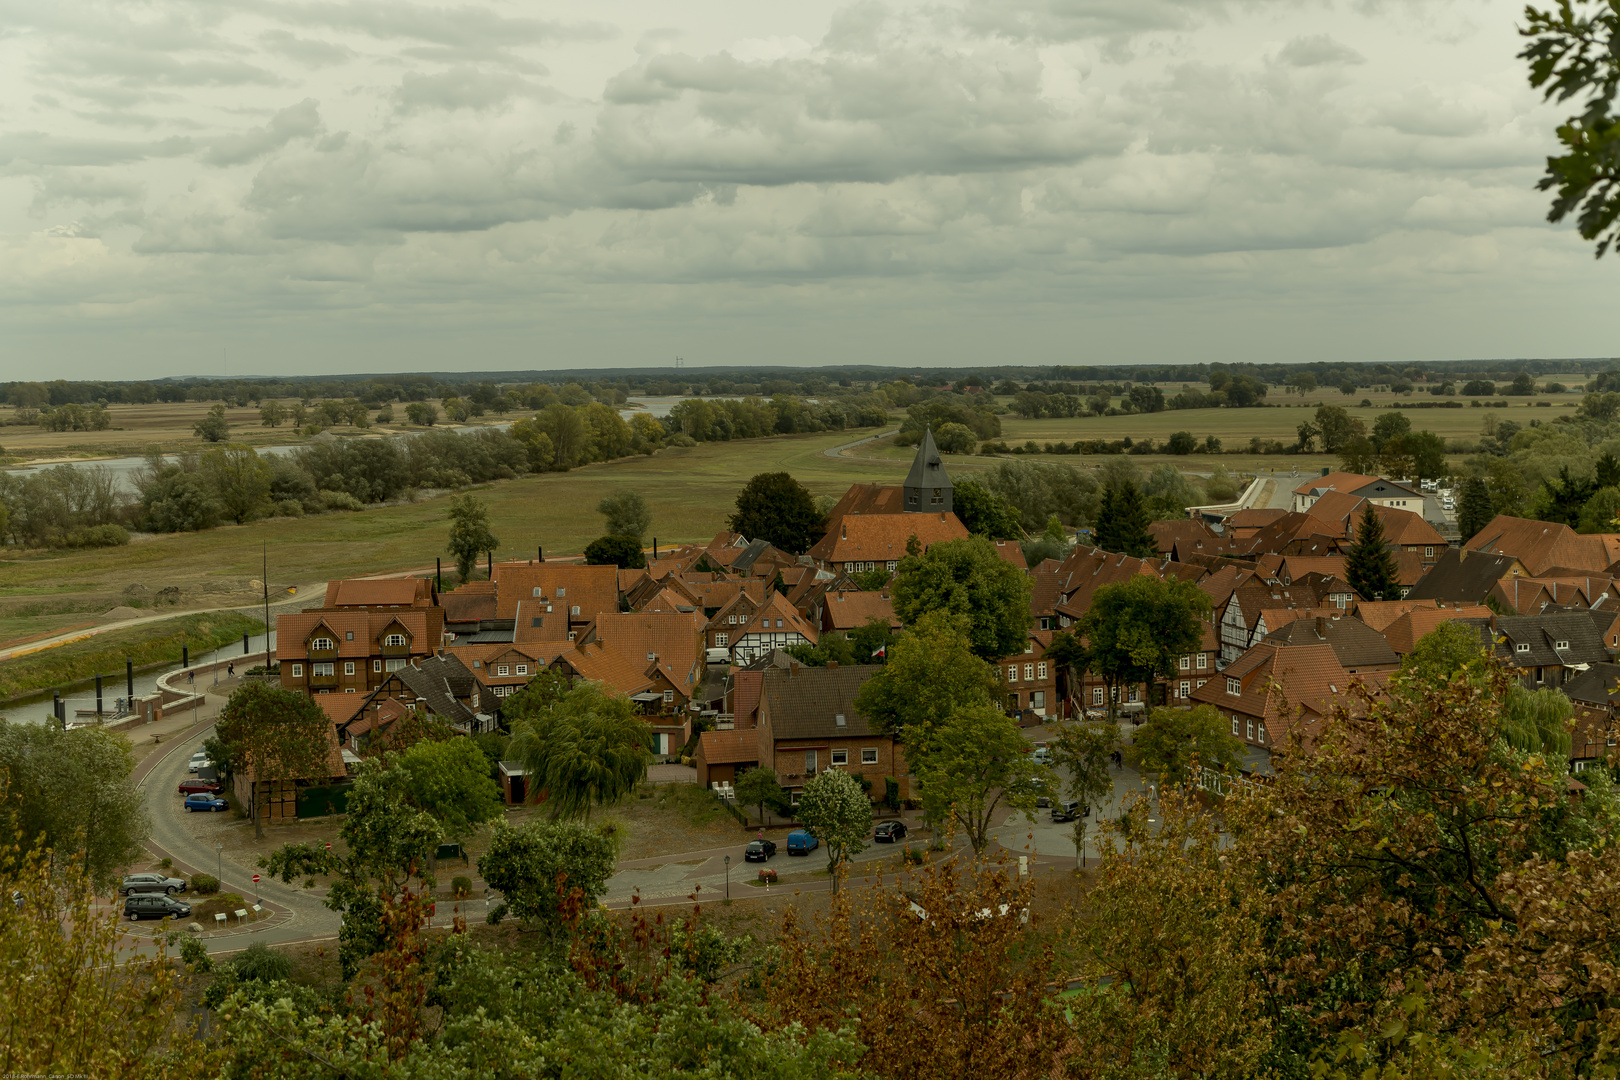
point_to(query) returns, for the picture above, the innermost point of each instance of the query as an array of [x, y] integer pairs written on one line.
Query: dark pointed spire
[[928, 486]]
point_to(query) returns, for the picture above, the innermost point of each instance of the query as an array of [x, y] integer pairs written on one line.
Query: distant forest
[[766, 381]]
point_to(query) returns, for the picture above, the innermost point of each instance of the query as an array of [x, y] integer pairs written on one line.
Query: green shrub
[[260, 963], [341, 500], [195, 953], [461, 886], [913, 856], [96, 536], [204, 884], [288, 508]]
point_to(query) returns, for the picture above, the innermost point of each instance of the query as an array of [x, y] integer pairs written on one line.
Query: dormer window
[[394, 641], [348, 635], [562, 593], [839, 719], [1234, 686], [322, 644], [536, 591], [502, 669], [1522, 647], [1560, 645]]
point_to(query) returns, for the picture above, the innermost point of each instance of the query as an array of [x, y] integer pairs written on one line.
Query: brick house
[[1031, 681], [773, 624], [1311, 682], [352, 651], [808, 722]]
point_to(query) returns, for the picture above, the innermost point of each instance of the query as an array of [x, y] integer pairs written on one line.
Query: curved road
[[189, 839], [838, 451]]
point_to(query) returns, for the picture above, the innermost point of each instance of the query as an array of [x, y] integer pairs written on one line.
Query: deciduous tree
[[837, 812], [621, 551], [760, 788], [545, 870], [930, 673], [966, 577], [1171, 739], [1085, 751], [1139, 629], [626, 513], [778, 509], [585, 749], [977, 762], [450, 779], [470, 535], [272, 734]]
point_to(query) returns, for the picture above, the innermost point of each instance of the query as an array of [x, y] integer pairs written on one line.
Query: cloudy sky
[[376, 185]]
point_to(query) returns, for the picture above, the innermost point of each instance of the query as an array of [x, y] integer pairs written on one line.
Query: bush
[[461, 886], [341, 500], [767, 875], [204, 884], [913, 856], [260, 963], [96, 536], [681, 438], [288, 508], [195, 953]]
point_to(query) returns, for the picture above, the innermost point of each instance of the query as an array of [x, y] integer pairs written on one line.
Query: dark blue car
[[203, 801]]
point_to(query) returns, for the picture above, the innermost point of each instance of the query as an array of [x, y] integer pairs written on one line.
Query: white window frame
[[869, 755], [1040, 670], [298, 671], [376, 665], [1248, 725], [523, 669], [1203, 661], [721, 640], [1260, 733], [503, 669], [1096, 696], [669, 696], [1012, 672], [348, 667], [1029, 672], [1234, 686], [1184, 689], [394, 641], [322, 644], [1523, 646], [840, 757], [1236, 729], [1560, 645], [1186, 662], [325, 669]]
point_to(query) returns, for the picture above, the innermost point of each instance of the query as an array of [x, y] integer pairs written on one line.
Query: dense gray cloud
[[366, 182]]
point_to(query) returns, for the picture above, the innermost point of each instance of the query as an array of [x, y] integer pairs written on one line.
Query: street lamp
[[728, 877], [219, 855]]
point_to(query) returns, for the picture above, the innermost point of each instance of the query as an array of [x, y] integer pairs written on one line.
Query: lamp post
[[219, 856], [728, 877]]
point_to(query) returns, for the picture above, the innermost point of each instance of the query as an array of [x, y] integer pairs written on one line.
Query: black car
[[888, 832], [150, 883], [1068, 811], [155, 906], [759, 850]]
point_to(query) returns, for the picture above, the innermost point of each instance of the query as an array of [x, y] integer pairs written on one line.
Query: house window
[[376, 665], [1233, 686], [1029, 647], [1096, 695], [477, 663], [779, 624], [669, 696], [1046, 622], [571, 635], [1012, 672], [1235, 729], [1185, 688], [722, 640], [809, 762], [1029, 672], [395, 665], [1037, 700], [523, 669], [1428, 553], [394, 640], [348, 635], [1540, 674], [298, 671], [1523, 646], [348, 667], [323, 669], [1186, 663], [322, 643], [840, 757], [1560, 645], [731, 620], [869, 756], [1040, 670], [1203, 661], [1248, 725], [1201, 682], [889, 566], [536, 591], [503, 669], [1260, 733], [574, 610]]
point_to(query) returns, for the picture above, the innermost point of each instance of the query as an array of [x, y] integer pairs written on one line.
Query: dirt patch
[[667, 819], [122, 612]]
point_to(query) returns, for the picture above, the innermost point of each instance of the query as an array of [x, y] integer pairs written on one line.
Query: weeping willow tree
[[1537, 721], [583, 748]]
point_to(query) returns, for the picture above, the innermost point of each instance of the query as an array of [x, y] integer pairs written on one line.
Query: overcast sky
[[304, 187]]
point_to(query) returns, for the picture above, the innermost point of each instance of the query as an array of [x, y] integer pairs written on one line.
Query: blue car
[[203, 801], [801, 843]]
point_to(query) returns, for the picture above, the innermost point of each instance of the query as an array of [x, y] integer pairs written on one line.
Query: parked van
[[800, 842], [717, 656]]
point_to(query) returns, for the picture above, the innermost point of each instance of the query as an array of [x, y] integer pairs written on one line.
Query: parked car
[[1043, 754], [1068, 811], [198, 761], [155, 906], [759, 850], [204, 801], [801, 843], [888, 832], [196, 784], [151, 883]]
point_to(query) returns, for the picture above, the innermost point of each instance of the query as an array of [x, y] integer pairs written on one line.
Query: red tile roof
[[1542, 545], [472, 602], [592, 589], [883, 537], [850, 610], [423, 628], [1011, 552], [371, 592], [729, 747]]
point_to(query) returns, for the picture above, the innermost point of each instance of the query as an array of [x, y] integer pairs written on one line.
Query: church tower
[[927, 488]]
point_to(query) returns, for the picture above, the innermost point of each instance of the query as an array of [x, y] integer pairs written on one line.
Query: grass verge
[[153, 643]]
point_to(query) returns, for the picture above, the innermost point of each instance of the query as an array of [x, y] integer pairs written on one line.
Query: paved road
[[190, 839], [838, 451]]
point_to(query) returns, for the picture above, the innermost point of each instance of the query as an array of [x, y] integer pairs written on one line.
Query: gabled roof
[[1189, 531], [1403, 527], [672, 640], [746, 686], [1010, 551], [1357, 646], [868, 499], [440, 682], [1462, 575], [729, 747], [927, 470], [422, 627], [592, 589], [782, 617], [1598, 685], [851, 610], [805, 702], [471, 603], [1532, 595], [340, 708], [1246, 521], [379, 592], [1542, 634], [883, 537], [614, 668], [1542, 545], [1310, 678]]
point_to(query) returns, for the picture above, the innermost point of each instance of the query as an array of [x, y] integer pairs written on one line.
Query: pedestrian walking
[[191, 678], [230, 670]]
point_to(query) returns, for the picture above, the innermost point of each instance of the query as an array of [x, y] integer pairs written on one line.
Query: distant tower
[[928, 488]]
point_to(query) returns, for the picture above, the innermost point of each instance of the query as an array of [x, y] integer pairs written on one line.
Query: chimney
[[793, 669], [831, 664], [1321, 627]]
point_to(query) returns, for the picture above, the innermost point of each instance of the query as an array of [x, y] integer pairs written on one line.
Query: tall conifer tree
[[1370, 567]]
